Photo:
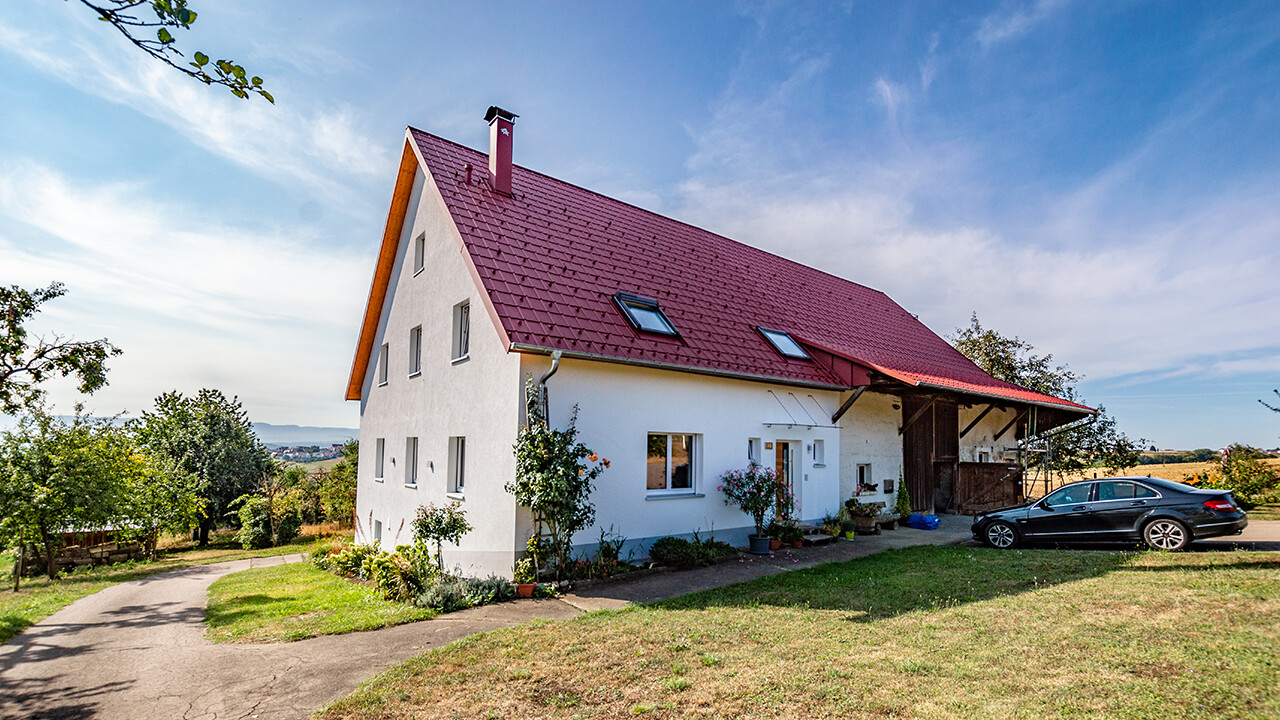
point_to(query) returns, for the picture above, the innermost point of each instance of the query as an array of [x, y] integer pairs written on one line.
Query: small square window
[[819, 453], [461, 330], [419, 254], [379, 457], [457, 464], [753, 450], [671, 463], [411, 461], [865, 484], [382, 364], [415, 350], [644, 314], [784, 343]]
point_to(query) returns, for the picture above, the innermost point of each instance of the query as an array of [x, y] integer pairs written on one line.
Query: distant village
[[306, 453]]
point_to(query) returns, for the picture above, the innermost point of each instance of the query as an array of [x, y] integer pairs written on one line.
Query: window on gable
[[415, 351], [644, 314], [784, 343], [382, 365], [419, 253], [461, 330]]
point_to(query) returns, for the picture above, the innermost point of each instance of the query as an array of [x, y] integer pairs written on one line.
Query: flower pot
[[797, 543], [850, 535], [759, 544], [865, 522], [525, 590], [774, 544]]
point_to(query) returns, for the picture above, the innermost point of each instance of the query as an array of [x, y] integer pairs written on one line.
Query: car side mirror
[[1045, 505]]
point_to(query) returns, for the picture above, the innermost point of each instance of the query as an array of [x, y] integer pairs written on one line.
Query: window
[[671, 462], [382, 365], [984, 456], [753, 449], [457, 464], [461, 330], [377, 532], [419, 253], [644, 314], [415, 351], [783, 343], [819, 454], [1069, 495], [379, 455], [1124, 491], [865, 485], [411, 461]]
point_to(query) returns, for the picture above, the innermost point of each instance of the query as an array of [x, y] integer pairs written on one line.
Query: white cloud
[[323, 148], [1014, 20], [263, 313]]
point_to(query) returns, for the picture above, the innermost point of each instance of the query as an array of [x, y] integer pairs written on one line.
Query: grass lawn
[[294, 602], [926, 632], [40, 597]]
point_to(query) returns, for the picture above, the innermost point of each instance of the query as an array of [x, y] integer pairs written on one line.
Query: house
[[686, 353]]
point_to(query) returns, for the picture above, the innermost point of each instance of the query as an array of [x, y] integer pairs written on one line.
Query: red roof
[[552, 256]]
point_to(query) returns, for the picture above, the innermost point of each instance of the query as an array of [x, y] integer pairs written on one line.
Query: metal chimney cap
[[495, 111]]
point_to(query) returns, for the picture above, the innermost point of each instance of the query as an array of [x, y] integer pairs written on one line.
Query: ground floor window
[[753, 450], [865, 484], [377, 532], [671, 462]]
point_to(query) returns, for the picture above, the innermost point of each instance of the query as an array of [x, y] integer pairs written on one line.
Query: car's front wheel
[[1001, 534], [1166, 534]]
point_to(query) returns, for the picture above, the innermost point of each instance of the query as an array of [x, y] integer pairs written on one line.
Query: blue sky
[[1097, 178]]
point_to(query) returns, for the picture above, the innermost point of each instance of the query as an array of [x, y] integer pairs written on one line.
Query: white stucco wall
[[981, 437], [619, 405], [869, 435], [477, 399]]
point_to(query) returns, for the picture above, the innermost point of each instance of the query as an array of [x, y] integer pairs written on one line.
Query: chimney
[[501, 125]]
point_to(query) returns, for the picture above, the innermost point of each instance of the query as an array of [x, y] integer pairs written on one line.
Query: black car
[[1165, 515]]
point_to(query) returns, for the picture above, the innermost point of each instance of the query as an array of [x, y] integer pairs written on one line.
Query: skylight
[[644, 314], [783, 343]]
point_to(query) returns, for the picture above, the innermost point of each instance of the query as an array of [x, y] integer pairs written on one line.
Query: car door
[[1119, 506], [1063, 513]]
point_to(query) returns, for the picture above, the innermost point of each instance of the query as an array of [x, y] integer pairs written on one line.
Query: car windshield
[[1170, 484], [1069, 494]]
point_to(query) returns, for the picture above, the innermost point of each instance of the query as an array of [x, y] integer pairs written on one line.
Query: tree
[[338, 486], [157, 496], [433, 524], [554, 476], [270, 515], [25, 363], [58, 477], [210, 437], [131, 18], [1095, 444]]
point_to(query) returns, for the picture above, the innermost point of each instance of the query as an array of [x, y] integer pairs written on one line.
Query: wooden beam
[[857, 393], [976, 420], [916, 417], [1016, 419]]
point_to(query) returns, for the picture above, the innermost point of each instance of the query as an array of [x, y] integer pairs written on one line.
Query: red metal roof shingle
[[552, 256]]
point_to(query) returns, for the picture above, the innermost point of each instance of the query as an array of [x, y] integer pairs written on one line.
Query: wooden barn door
[[930, 450]]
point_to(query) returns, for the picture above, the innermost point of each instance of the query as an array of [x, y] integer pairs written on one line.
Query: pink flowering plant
[[758, 492]]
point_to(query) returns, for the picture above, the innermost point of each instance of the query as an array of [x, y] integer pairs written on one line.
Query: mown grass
[[925, 632], [295, 602], [40, 597]]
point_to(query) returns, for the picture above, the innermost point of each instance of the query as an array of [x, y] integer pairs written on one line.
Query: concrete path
[[137, 651]]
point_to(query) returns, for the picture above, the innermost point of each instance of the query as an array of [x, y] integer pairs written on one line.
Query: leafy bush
[[255, 523], [289, 527], [448, 593], [759, 492], [350, 561], [1244, 473], [684, 554], [438, 524]]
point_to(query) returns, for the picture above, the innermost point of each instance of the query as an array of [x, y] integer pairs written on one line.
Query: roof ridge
[[655, 214]]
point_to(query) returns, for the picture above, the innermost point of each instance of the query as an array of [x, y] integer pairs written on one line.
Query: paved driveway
[[137, 651]]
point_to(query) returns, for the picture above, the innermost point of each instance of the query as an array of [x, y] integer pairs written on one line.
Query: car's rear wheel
[[1166, 534], [1001, 534]]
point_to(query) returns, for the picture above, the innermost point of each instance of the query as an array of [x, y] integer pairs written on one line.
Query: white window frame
[[377, 532], [858, 477], [819, 453], [754, 450], [458, 465], [461, 345], [420, 254], [415, 351], [379, 458], [411, 461], [695, 466], [382, 363]]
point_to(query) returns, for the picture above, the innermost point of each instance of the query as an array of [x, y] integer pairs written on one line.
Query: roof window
[[784, 343], [644, 314]]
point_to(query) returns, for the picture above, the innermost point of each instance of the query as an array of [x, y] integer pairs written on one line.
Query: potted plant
[[849, 528], [790, 533], [525, 578], [864, 514], [756, 491]]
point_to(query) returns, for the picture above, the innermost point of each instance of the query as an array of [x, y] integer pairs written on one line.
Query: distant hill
[[277, 435]]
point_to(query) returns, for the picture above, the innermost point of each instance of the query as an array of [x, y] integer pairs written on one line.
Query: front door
[[785, 466]]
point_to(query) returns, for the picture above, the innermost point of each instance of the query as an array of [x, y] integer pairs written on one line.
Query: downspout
[[542, 385]]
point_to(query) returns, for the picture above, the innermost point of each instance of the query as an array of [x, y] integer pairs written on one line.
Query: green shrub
[[255, 523], [684, 554], [448, 593], [288, 527], [350, 561]]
